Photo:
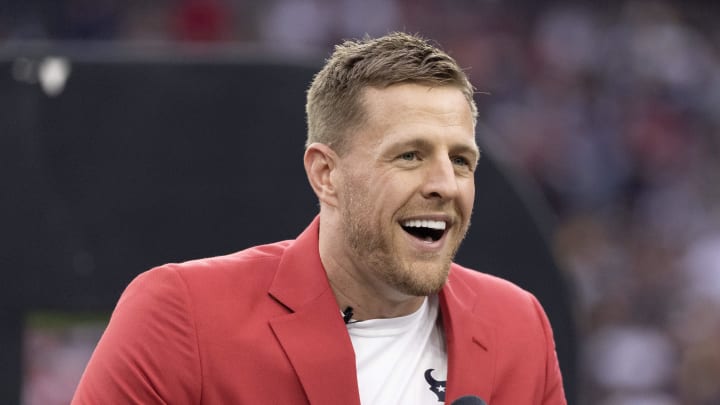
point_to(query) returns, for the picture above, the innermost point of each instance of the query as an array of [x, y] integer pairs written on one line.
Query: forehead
[[412, 97], [411, 109]]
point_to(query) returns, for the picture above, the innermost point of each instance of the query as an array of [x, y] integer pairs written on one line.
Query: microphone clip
[[347, 315]]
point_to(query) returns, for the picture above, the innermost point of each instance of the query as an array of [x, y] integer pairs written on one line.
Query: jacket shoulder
[[487, 285], [250, 270], [255, 259], [500, 301]]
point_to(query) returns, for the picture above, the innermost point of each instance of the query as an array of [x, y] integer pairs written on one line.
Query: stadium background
[[124, 122]]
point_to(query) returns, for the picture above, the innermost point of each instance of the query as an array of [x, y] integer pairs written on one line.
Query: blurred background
[[605, 118]]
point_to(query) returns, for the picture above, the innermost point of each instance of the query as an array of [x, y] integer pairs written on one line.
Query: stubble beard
[[372, 248]]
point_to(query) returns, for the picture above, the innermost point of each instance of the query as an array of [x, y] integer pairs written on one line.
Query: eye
[[463, 163], [460, 161], [408, 156]]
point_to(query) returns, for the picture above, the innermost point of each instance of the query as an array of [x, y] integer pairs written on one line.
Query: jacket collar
[[300, 277], [469, 339], [313, 335]]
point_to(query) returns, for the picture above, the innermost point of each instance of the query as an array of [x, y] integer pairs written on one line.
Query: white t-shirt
[[401, 360]]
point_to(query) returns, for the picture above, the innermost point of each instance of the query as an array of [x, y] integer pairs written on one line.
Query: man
[[365, 306]]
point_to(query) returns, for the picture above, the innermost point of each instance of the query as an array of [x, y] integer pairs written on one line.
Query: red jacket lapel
[[313, 336], [471, 358]]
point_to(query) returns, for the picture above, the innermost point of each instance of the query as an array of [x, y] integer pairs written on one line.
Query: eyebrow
[[474, 150], [421, 143]]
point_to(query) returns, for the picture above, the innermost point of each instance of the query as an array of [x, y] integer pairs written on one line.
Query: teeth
[[425, 223]]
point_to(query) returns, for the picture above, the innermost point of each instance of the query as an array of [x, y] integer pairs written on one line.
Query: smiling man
[[396, 204], [366, 305]]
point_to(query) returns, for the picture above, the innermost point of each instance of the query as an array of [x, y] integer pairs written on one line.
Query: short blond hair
[[334, 105]]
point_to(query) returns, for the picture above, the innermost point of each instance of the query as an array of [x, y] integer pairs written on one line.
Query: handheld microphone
[[469, 400]]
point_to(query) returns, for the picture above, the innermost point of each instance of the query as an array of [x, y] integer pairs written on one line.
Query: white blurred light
[[630, 357], [53, 73], [645, 398], [702, 265]]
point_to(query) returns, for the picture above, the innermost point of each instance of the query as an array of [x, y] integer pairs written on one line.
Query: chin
[[422, 280]]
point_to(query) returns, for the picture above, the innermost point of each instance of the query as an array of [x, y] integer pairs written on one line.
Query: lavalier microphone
[[347, 315]]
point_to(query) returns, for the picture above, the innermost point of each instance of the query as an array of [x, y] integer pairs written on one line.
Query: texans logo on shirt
[[438, 387]]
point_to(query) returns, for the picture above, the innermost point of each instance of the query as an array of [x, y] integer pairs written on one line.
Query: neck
[[367, 305], [358, 288]]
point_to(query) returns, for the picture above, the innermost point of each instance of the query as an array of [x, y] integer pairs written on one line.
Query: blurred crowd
[[615, 115], [612, 109]]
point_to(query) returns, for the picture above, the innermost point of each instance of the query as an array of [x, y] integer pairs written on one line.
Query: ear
[[320, 163]]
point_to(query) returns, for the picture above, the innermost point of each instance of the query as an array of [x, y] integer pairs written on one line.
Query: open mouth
[[425, 230]]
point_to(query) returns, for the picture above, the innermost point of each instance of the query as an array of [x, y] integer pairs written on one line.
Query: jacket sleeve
[[148, 353], [554, 393]]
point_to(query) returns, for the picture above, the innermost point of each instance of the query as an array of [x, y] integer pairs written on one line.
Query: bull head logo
[[438, 387]]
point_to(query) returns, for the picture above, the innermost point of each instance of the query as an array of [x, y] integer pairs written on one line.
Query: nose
[[441, 181]]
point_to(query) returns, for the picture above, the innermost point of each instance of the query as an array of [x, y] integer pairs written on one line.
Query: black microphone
[[469, 400], [347, 315]]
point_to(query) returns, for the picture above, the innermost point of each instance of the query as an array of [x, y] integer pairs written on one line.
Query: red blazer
[[262, 326]]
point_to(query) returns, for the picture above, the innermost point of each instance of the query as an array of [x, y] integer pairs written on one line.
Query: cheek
[[394, 192]]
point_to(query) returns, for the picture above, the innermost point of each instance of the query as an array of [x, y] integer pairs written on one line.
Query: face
[[407, 187]]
